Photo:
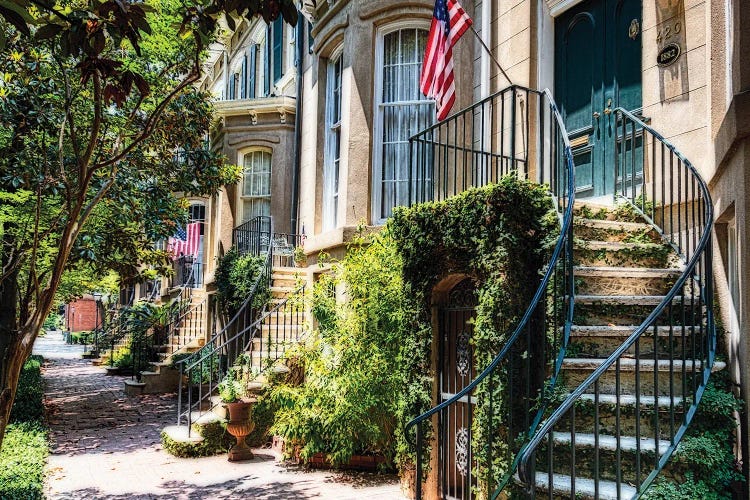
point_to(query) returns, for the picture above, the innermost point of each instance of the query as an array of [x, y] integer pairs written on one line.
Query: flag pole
[[492, 56]]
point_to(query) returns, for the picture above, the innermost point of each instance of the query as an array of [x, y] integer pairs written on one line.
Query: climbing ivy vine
[[368, 366]]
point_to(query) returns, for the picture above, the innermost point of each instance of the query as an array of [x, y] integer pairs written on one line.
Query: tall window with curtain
[[402, 110], [331, 167], [255, 192]]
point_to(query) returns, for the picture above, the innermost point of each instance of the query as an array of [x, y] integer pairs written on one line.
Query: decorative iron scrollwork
[[462, 450], [463, 295], [463, 354]]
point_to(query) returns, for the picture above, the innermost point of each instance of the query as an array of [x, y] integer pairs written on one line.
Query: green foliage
[[368, 367], [498, 236], [29, 405], [703, 465], [25, 446], [230, 389], [216, 440], [237, 276], [348, 403], [53, 322], [22, 460]]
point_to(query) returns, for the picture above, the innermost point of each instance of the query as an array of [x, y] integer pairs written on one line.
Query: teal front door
[[597, 69]]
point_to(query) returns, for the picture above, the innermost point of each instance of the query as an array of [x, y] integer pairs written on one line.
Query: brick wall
[[80, 315]]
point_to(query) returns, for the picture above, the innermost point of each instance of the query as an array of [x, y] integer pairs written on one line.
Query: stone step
[[592, 310], [630, 300], [263, 344], [607, 230], [281, 291], [600, 341], [669, 374], [645, 415], [618, 281], [180, 434], [663, 402], [288, 270], [562, 487], [285, 280], [623, 254], [599, 456]]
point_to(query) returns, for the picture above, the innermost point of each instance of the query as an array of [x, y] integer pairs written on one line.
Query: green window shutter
[[267, 65], [278, 47], [252, 51], [243, 78]]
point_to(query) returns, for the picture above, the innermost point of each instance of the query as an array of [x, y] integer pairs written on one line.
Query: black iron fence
[[517, 131], [256, 235], [671, 353]]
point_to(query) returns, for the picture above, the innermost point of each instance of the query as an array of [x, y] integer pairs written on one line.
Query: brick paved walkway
[[106, 445]]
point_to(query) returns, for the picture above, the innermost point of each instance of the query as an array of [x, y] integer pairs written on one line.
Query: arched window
[[255, 192], [400, 111]]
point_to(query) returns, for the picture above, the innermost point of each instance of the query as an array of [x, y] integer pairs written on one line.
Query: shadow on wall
[[671, 43]]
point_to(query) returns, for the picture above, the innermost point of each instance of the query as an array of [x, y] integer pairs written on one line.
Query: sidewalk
[[107, 445]]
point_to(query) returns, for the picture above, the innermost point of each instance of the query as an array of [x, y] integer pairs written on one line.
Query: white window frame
[[332, 156], [377, 137], [240, 194]]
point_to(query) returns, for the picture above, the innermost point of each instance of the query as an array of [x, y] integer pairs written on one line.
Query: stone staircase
[[622, 271], [283, 325], [187, 336]]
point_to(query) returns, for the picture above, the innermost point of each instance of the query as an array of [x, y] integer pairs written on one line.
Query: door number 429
[[667, 31]]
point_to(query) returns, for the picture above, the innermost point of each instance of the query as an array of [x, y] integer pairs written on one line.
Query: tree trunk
[[10, 368]]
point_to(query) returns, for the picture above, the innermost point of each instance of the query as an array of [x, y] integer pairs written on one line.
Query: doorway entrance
[[456, 371], [597, 69]]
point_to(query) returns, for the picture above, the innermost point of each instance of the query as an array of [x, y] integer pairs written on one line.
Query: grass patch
[[25, 446]]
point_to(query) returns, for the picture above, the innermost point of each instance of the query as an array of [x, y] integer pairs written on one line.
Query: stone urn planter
[[240, 426]]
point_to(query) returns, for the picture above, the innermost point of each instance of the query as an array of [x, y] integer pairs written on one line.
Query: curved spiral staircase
[[627, 342]]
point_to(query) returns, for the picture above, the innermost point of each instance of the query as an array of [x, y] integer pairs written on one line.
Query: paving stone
[[106, 445]]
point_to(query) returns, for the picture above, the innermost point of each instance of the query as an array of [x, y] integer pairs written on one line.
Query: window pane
[[256, 185], [403, 52]]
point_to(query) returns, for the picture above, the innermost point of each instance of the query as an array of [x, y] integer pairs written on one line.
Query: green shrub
[[348, 402], [368, 368], [28, 405], [216, 440], [22, 460], [703, 465], [236, 276], [25, 446], [53, 322]]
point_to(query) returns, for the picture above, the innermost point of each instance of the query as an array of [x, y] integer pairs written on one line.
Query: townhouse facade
[[319, 117]]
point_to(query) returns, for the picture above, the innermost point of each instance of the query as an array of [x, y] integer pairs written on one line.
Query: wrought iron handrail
[[280, 335], [237, 324], [554, 165], [681, 211]]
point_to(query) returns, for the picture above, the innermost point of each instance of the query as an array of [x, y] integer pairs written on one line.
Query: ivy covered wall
[[368, 365]]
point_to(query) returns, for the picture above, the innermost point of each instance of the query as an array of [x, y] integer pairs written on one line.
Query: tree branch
[[152, 121]]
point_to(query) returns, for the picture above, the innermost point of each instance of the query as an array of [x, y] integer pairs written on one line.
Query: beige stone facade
[[359, 53]]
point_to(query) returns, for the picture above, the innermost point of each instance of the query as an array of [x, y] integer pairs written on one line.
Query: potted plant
[[233, 394]]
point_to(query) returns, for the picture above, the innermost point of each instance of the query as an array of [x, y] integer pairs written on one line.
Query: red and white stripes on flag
[[185, 241], [449, 22]]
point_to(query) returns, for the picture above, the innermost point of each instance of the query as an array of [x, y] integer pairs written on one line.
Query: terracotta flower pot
[[240, 426]]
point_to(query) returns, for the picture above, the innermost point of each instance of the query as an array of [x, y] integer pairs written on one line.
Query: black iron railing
[[188, 272], [183, 324], [670, 377], [480, 144], [516, 131], [260, 343], [201, 372], [255, 235]]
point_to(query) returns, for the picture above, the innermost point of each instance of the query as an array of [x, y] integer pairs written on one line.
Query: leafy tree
[[95, 99]]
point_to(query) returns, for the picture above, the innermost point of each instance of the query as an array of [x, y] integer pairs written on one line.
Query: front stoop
[[622, 272]]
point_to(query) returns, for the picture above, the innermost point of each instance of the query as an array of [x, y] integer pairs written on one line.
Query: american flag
[[185, 241], [449, 22]]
